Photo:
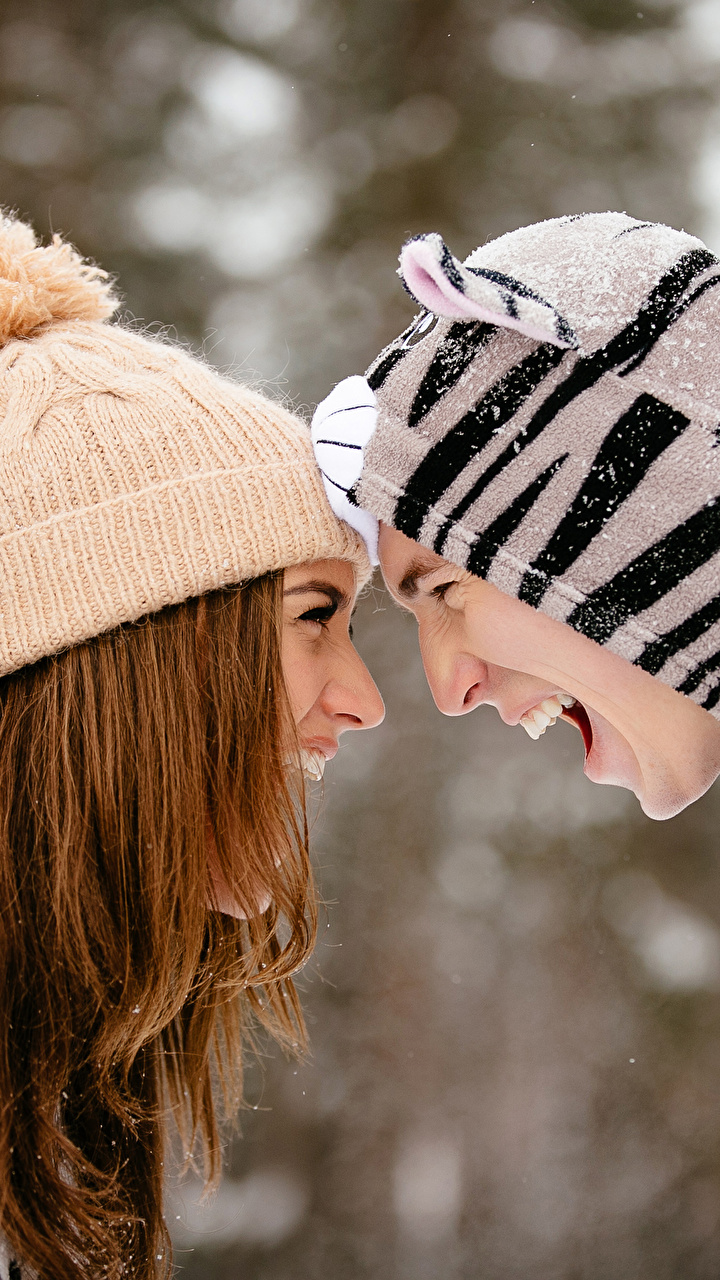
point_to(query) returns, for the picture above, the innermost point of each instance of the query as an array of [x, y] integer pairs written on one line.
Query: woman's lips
[[325, 747]]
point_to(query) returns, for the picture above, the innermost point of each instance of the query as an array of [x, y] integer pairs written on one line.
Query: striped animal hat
[[550, 421]]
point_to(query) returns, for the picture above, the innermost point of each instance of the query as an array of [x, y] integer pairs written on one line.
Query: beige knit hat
[[132, 476]]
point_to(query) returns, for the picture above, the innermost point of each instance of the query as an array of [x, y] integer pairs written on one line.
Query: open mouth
[[559, 706], [313, 764]]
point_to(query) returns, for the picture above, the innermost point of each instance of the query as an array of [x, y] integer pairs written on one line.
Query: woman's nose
[[373, 707], [353, 698], [458, 685]]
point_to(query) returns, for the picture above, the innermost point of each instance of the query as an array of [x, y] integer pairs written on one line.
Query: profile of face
[[480, 646], [329, 688]]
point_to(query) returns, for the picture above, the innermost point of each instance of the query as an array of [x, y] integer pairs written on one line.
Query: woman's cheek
[[312, 687], [299, 669]]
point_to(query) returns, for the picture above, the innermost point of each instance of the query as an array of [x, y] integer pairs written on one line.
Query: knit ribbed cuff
[[85, 571]]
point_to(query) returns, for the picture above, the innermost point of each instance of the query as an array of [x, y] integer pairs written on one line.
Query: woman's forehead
[[316, 574]]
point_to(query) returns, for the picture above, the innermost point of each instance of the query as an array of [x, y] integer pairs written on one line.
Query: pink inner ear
[[427, 282]]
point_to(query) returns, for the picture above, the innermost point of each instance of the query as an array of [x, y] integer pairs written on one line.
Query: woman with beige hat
[[175, 594]]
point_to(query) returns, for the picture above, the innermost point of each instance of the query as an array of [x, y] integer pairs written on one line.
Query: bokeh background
[[515, 1003]]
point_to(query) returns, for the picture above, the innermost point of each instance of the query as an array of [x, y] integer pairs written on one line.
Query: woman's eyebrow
[[334, 594]]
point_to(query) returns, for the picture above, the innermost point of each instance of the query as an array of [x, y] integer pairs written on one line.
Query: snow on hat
[[551, 420]]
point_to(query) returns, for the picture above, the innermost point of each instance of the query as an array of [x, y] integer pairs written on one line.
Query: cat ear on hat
[[445, 286]]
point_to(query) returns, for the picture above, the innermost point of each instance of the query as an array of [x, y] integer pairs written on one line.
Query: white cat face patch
[[342, 426]]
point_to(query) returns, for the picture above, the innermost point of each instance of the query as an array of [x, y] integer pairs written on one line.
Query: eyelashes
[[322, 613]]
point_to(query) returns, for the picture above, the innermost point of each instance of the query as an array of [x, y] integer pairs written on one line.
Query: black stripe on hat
[[510, 283], [650, 576], [447, 459], [698, 673], [451, 267], [654, 657], [628, 451], [583, 376], [393, 354], [486, 546], [510, 287], [639, 226], [661, 302], [665, 322], [452, 357], [713, 698], [588, 371], [377, 375], [421, 327]]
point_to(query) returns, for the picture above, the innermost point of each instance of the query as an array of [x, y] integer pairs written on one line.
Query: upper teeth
[[539, 718], [313, 764]]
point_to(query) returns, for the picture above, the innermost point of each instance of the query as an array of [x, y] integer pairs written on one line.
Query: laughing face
[[480, 646]]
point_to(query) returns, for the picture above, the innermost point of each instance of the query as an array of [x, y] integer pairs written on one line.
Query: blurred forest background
[[515, 1004]]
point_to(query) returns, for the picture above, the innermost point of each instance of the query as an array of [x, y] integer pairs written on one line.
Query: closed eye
[[440, 591]]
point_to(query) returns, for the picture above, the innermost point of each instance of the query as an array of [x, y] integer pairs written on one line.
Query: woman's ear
[[447, 287]]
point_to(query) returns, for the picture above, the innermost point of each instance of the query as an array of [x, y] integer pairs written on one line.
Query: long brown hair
[[123, 995]]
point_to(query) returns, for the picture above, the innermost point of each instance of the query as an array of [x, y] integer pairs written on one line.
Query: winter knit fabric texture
[[132, 476], [551, 422]]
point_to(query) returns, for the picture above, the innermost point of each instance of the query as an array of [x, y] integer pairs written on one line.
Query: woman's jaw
[[480, 646]]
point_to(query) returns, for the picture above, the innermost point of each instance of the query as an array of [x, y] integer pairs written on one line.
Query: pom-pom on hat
[[550, 421], [132, 476], [38, 285]]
